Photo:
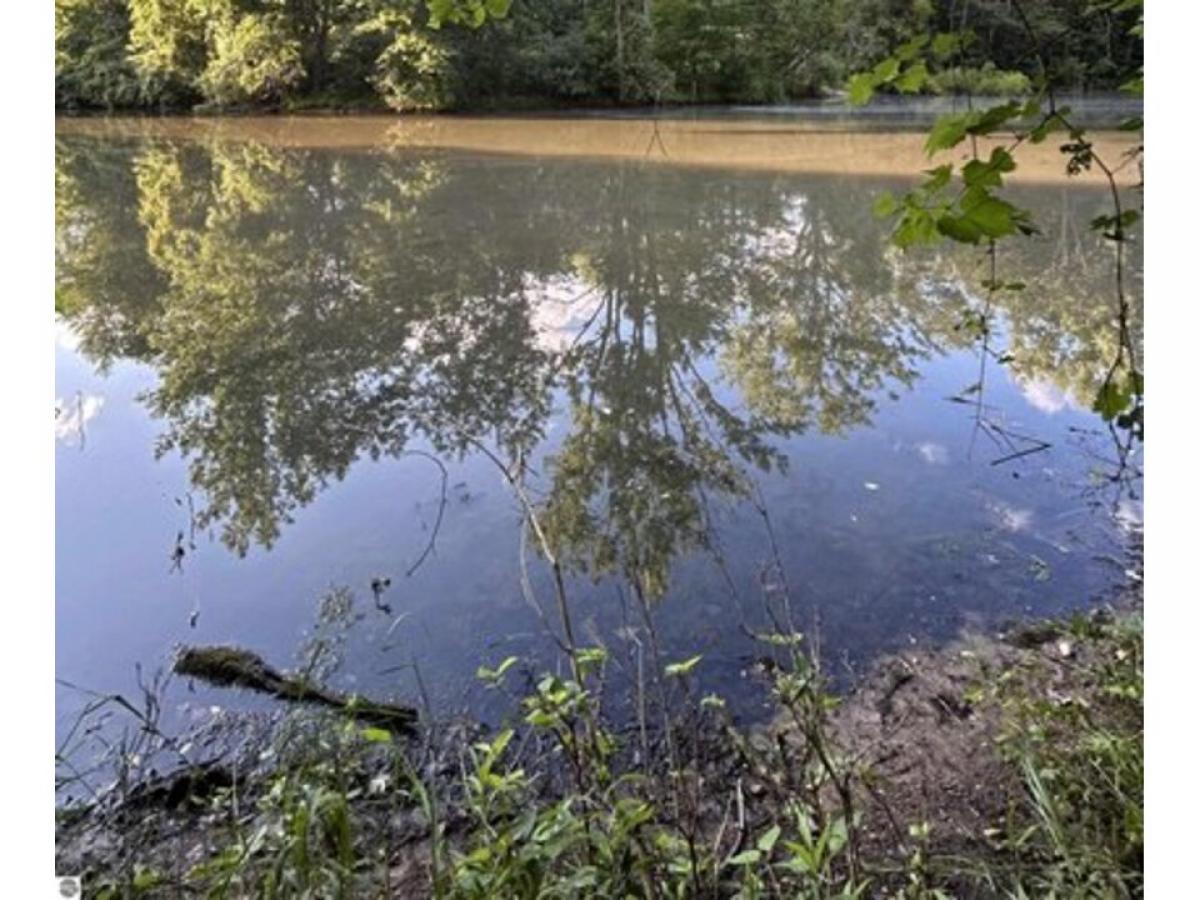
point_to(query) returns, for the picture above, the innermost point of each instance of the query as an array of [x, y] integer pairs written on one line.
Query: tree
[[91, 68], [620, 52], [168, 45], [431, 54], [794, 48], [414, 69], [703, 42], [252, 60]]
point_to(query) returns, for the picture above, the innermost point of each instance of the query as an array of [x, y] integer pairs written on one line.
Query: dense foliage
[[430, 54]]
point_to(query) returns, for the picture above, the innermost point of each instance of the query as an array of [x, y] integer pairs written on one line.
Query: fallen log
[[235, 667]]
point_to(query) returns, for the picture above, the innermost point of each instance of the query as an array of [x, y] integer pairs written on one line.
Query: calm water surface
[[718, 383]]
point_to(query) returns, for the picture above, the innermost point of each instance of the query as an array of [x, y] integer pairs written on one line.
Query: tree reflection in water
[[306, 308]]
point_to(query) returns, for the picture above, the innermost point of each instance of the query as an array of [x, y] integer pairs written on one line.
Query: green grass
[[1079, 749]]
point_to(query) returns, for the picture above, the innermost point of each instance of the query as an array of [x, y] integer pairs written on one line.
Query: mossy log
[[235, 667]]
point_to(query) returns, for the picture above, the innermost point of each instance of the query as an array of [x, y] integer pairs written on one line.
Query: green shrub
[[985, 81]]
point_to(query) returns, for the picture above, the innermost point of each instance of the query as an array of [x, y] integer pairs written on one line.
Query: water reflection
[[723, 387], [305, 308]]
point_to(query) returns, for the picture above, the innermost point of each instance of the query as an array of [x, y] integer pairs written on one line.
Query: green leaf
[[994, 217], [1042, 131], [980, 174], [483, 673], [886, 70], [794, 639], [144, 879], [948, 131], [885, 205], [945, 44], [959, 228], [1134, 86], [587, 657], [1111, 400], [913, 78], [746, 858], [540, 719], [499, 744], [766, 843], [993, 118], [990, 173], [861, 88], [938, 178], [376, 735], [679, 669], [1113, 227], [916, 227], [909, 49]]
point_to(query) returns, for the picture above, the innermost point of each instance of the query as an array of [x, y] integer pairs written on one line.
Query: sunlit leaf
[[746, 858], [766, 843], [680, 669], [948, 131], [886, 70], [885, 205], [861, 89], [913, 78]]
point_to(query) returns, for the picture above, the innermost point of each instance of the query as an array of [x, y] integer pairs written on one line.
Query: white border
[[1172, 248], [27, 485], [1172, 235]]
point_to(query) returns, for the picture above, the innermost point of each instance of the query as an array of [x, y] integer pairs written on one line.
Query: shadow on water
[[727, 396]]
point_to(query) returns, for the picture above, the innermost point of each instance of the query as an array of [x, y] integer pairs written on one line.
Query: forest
[[432, 55]]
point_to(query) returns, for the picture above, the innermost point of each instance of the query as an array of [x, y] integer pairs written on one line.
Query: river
[[301, 355]]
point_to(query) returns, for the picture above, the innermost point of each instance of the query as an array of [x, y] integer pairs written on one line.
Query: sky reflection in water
[[696, 369]]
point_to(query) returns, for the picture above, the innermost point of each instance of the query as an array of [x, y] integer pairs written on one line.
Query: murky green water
[[718, 384]]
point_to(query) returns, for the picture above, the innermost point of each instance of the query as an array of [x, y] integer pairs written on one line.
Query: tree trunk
[[620, 51]]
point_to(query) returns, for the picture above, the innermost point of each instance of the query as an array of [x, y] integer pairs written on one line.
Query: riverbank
[[1000, 761]]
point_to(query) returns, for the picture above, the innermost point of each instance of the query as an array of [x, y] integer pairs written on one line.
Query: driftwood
[[235, 667]]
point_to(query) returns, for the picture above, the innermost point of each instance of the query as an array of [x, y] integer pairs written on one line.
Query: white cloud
[[1011, 518], [65, 336], [934, 454], [560, 309], [1046, 397], [71, 418], [1129, 515]]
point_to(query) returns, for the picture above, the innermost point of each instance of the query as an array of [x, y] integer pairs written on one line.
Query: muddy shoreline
[[917, 721]]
